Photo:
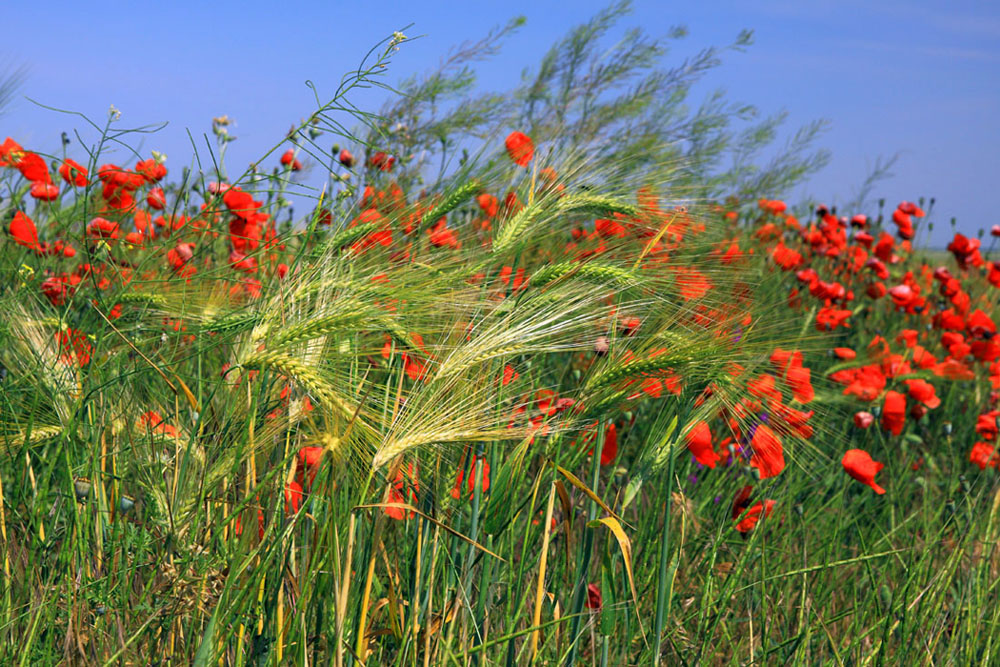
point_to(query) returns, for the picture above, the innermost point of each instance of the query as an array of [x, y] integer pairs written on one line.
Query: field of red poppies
[[533, 410]]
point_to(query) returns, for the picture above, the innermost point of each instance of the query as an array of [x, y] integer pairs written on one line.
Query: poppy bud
[[601, 346], [863, 419]]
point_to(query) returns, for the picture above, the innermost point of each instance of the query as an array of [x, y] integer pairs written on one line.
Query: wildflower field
[[553, 384]]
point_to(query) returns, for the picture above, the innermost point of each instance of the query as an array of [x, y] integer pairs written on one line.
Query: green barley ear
[[308, 377], [511, 231], [596, 273], [450, 202], [232, 322], [38, 435], [594, 205], [683, 351], [348, 312]]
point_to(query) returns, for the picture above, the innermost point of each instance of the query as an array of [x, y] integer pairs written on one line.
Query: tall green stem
[[580, 591]]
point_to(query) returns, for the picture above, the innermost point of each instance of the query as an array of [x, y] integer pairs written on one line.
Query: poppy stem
[[663, 588]]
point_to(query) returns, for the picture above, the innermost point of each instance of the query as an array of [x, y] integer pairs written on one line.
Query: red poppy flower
[[381, 161], [309, 459], [593, 597], [923, 391], [980, 325], [894, 412], [798, 379], [404, 489], [23, 229], [518, 282], [480, 473], [772, 206], [151, 170], [153, 422], [489, 204], [866, 382], [55, 290], [610, 449], [768, 455], [829, 318], [44, 191], [239, 203], [293, 497], [987, 424], [73, 173], [180, 255], [156, 199], [699, 442], [33, 168], [609, 228], [288, 159], [859, 464], [10, 152], [415, 368], [441, 236], [984, 455], [102, 228], [746, 515], [74, 348], [520, 148], [115, 177]]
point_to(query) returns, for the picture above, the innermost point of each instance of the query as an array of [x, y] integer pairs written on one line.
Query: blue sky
[[915, 78]]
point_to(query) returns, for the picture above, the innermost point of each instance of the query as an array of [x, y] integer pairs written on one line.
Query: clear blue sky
[[917, 78]]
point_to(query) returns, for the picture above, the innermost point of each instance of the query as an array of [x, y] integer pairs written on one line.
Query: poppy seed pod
[[81, 487], [125, 504]]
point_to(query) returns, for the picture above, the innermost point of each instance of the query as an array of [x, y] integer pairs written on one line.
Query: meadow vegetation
[[546, 376]]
